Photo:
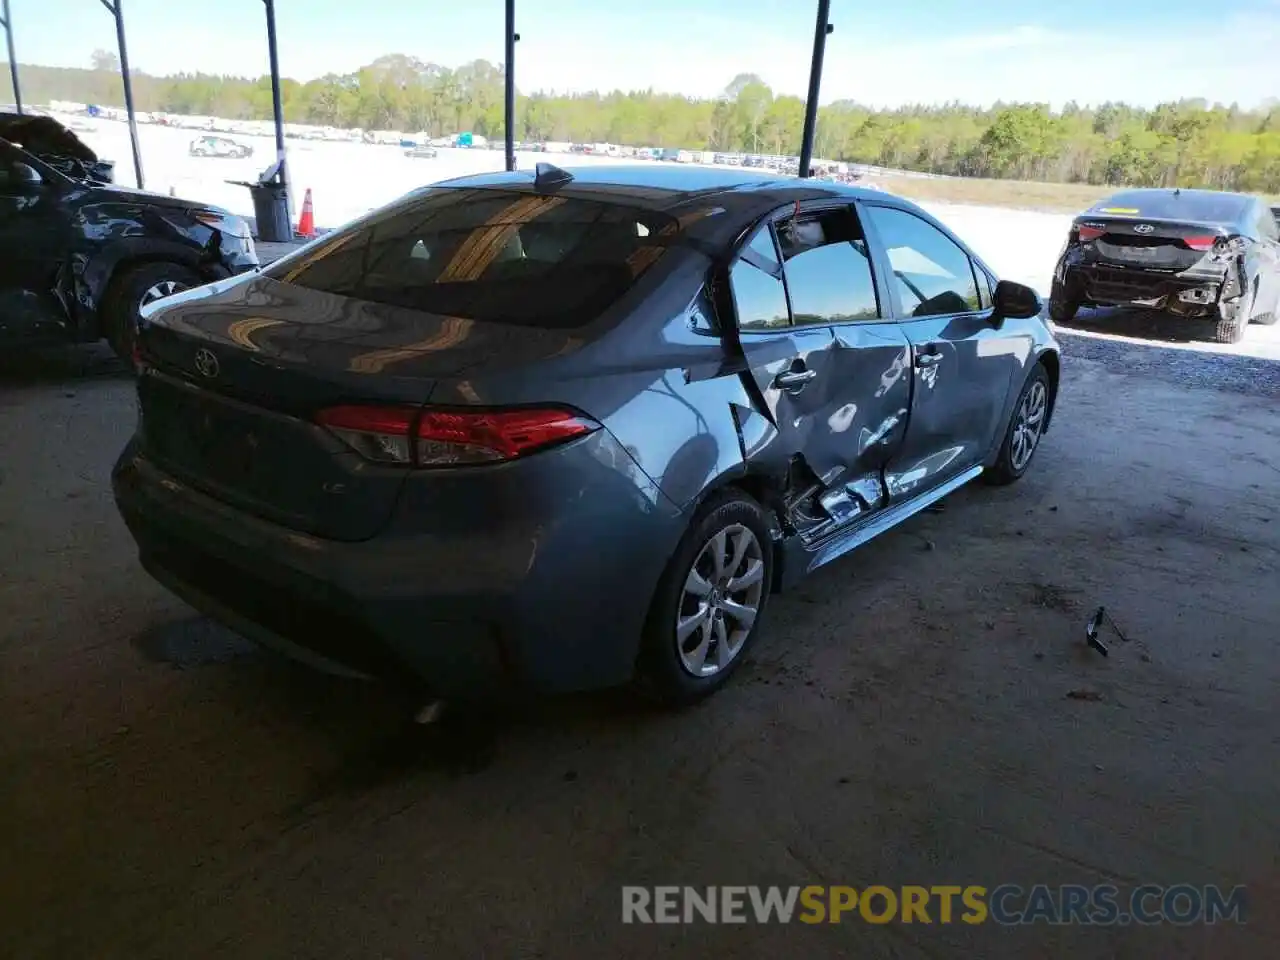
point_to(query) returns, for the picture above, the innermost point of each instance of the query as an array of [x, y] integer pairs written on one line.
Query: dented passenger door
[[787, 371]]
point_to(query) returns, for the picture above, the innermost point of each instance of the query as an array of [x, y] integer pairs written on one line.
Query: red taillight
[[1089, 233], [1200, 243], [434, 438]]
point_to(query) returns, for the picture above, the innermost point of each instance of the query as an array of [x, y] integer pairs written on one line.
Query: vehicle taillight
[[1089, 233], [1200, 243], [441, 438]]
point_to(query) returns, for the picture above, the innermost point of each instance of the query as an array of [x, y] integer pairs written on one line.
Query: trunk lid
[[1149, 243], [237, 372]]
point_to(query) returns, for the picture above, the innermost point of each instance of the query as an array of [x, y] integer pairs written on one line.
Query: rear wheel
[[1026, 427], [709, 603], [1230, 329], [133, 291], [1062, 308]]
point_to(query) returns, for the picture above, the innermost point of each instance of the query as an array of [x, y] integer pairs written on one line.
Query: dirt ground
[[922, 712]]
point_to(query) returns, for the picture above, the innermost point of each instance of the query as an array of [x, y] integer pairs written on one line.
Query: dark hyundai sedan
[[1195, 254], [570, 429]]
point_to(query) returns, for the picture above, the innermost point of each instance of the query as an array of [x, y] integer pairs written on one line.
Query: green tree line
[[1184, 143]]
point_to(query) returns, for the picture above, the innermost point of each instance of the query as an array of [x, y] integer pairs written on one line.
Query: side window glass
[[933, 276], [762, 244], [828, 268], [759, 299]]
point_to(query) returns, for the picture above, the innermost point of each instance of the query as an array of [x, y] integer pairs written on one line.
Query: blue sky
[[906, 51]]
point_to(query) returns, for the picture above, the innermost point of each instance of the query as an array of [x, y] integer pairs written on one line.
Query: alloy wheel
[[720, 601], [165, 288], [1028, 425]]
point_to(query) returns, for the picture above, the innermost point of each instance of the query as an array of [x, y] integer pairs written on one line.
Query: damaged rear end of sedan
[[1193, 254]]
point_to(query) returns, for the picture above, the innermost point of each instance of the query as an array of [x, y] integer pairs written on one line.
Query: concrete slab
[[910, 718]]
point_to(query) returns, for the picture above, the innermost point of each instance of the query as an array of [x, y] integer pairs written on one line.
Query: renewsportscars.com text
[[1006, 905]]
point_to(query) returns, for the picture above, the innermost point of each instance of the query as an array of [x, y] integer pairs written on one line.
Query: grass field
[[1020, 194], [1026, 195]]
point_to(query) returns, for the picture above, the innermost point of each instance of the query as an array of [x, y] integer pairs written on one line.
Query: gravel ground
[[1162, 348], [924, 711]]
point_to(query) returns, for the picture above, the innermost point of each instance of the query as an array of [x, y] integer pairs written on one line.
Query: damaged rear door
[[787, 368], [828, 375]]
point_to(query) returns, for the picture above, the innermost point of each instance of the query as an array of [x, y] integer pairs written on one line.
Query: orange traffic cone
[[307, 222]]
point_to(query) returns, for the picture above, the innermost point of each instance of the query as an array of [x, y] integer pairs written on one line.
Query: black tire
[[1007, 468], [661, 674], [126, 296], [1229, 331], [1062, 308]]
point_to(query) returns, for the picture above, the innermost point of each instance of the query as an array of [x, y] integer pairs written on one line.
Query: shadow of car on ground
[[1148, 325]]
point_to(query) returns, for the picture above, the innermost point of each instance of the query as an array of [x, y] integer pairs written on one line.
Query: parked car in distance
[[1196, 254], [422, 152], [219, 147], [79, 258], [570, 429]]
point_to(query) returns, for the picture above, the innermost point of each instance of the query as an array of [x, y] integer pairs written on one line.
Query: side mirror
[[1015, 301], [21, 177]]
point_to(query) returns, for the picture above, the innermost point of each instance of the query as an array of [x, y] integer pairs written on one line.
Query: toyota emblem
[[1143, 228], [206, 363]]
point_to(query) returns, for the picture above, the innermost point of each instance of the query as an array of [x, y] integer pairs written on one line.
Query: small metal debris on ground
[[1093, 696], [1095, 624]]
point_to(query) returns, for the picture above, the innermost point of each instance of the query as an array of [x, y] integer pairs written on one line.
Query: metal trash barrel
[[270, 204]]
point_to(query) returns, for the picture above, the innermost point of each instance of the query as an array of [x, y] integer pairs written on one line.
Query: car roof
[[669, 186]]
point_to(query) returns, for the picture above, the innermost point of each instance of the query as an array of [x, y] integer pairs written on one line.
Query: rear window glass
[[1187, 205], [489, 255]]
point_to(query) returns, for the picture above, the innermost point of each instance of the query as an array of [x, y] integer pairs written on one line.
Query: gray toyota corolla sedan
[[570, 429]]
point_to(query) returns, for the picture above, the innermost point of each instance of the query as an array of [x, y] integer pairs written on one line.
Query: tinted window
[[828, 269], [760, 299], [762, 243], [931, 274], [1202, 206], [489, 255]]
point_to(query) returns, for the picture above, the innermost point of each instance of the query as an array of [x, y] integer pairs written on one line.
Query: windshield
[[490, 255]]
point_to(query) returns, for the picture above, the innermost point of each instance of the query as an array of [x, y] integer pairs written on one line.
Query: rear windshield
[[1188, 205], [489, 255]]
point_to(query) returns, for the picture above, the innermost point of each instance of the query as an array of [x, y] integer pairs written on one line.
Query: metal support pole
[[13, 58], [117, 11], [509, 105], [820, 32], [277, 105]]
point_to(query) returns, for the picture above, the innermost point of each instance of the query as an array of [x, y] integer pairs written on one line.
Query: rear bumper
[[553, 603], [1190, 293]]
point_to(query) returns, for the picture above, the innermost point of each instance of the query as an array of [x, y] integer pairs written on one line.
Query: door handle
[[793, 379], [928, 359]]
